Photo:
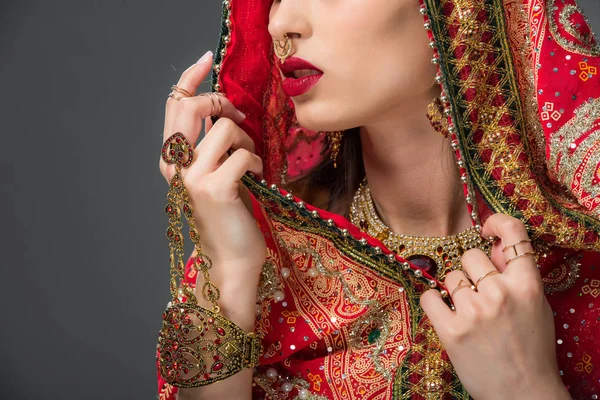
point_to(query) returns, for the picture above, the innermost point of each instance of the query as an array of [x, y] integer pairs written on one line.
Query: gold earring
[[435, 114], [335, 142], [285, 50]]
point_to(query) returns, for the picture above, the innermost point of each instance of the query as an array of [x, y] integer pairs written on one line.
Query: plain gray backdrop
[[84, 257]]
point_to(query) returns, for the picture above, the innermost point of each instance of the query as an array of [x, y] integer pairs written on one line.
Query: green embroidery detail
[[373, 336]]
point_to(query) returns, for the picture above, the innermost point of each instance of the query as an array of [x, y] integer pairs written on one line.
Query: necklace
[[436, 255]]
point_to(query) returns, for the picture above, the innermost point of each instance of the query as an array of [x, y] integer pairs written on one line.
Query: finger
[[224, 135], [512, 231], [240, 162], [476, 264], [459, 287], [192, 111], [208, 124], [439, 314], [190, 79]]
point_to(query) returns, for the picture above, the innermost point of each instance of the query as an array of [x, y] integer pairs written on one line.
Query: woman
[[448, 257]]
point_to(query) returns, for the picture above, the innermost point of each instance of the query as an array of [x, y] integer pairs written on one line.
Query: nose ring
[[283, 50]]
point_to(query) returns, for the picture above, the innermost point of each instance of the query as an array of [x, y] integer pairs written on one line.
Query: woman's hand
[[500, 338], [221, 203]]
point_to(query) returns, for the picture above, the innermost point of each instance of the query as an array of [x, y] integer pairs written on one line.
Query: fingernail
[[205, 57], [241, 114]]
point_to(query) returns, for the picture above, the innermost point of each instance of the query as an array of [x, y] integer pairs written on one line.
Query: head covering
[[521, 84]]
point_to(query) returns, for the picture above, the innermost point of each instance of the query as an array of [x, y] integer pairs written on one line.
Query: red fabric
[[317, 349]]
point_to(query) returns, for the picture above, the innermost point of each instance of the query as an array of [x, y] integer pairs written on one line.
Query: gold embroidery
[[587, 71], [376, 325], [575, 154], [582, 45], [495, 127], [166, 392], [364, 274], [548, 112], [273, 387], [562, 277], [270, 282], [585, 365], [358, 291], [427, 360], [592, 288]]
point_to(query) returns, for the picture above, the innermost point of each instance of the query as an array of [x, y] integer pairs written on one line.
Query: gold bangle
[[197, 347]]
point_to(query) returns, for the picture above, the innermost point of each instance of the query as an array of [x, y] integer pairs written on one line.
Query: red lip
[[295, 63], [297, 86]]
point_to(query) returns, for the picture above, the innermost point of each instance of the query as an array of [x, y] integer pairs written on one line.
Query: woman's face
[[374, 55]]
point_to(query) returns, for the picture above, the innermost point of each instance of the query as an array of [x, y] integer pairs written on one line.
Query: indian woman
[[393, 199]]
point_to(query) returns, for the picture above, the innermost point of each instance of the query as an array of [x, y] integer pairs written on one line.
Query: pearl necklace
[[437, 255]]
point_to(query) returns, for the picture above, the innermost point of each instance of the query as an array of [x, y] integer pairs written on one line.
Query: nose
[[289, 16]]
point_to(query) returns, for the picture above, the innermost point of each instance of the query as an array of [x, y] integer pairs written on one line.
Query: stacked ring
[[517, 254], [176, 89], [212, 96]]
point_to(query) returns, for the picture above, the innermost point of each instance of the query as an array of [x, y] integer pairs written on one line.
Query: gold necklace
[[437, 255]]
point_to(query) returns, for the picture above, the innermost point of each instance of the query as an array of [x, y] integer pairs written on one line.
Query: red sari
[[350, 325]]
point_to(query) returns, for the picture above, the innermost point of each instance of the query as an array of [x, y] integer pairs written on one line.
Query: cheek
[[380, 61]]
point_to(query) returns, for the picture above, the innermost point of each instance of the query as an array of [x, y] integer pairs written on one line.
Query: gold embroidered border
[[586, 46], [485, 72]]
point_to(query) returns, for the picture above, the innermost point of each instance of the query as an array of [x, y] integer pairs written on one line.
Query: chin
[[317, 116]]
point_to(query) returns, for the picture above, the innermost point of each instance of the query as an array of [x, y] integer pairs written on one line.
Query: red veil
[[521, 84]]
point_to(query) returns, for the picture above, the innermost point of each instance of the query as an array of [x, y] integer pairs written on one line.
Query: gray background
[[84, 258]]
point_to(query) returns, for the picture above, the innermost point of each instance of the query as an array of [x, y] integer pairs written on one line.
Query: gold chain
[[444, 251], [196, 346]]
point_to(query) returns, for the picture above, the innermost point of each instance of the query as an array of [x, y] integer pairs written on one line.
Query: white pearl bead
[[272, 373], [287, 387], [285, 272], [313, 273], [303, 394], [278, 296], [258, 309]]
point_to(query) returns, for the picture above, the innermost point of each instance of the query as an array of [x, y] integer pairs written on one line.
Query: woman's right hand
[[221, 203]]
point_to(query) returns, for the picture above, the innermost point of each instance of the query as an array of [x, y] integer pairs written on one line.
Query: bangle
[[196, 346]]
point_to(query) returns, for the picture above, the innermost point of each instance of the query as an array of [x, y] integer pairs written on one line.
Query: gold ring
[[515, 244], [182, 91], [174, 96], [216, 106], [219, 103], [528, 253], [464, 285], [493, 272], [212, 101]]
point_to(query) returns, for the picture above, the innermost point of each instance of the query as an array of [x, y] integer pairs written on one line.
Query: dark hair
[[330, 188]]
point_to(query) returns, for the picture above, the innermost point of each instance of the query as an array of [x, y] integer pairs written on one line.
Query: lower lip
[[297, 86]]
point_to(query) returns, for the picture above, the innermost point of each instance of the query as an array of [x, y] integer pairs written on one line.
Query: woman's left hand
[[500, 338]]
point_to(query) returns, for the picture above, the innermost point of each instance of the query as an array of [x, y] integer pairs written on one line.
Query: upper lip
[[294, 64]]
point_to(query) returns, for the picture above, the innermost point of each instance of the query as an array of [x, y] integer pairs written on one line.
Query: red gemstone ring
[[178, 150]]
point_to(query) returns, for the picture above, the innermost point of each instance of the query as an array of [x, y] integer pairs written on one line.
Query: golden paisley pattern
[[575, 155]]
